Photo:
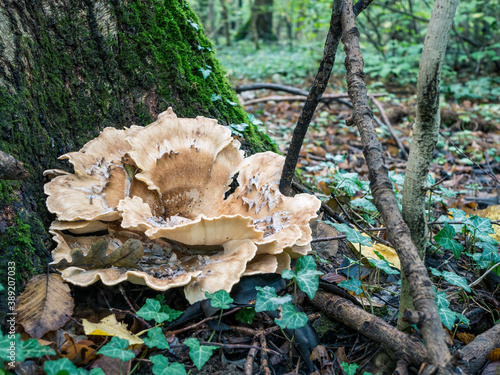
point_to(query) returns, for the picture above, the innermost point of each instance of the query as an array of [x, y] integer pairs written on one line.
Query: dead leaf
[[113, 366], [109, 326], [494, 355], [45, 305], [320, 356], [325, 249], [126, 256], [465, 337], [386, 251], [78, 351]]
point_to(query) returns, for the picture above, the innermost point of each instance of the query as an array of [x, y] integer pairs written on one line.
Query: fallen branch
[[325, 98], [385, 201], [11, 169], [345, 312], [474, 354]]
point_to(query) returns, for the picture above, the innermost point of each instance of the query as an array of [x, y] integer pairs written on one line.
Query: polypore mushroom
[[168, 186]]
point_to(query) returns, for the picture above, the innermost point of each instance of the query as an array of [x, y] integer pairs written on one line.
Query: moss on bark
[[74, 67]]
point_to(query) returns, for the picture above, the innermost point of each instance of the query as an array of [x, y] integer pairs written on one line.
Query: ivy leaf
[[436, 272], [161, 367], [448, 317], [220, 299], [267, 299], [307, 275], [442, 300], [454, 279], [205, 72], [215, 97], [231, 103], [353, 285], [447, 192], [23, 349], [363, 203], [352, 235], [152, 311], [2, 287], [172, 313], [117, 348], [383, 265], [199, 354], [62, 366], [291, 318], [96, 371], [156, 338], [33, 349], [481, 224], [246, 315], [350, 369], [445, 239], [193, 24]]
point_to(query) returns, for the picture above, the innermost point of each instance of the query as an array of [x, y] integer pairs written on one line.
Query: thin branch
[[314, 97], [385, 201], [389, 126]]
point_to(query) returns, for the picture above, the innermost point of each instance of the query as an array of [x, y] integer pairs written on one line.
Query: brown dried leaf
[[494, 355], [465, 337], [78, 351], [126, 256], [45, 305]]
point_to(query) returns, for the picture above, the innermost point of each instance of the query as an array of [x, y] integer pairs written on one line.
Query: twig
[[465, 156], [215, 317], [250, 359], [263, 354], [483, 275], [317, 90], [326, 98], [389, 126]]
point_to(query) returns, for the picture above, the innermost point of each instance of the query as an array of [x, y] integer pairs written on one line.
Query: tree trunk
[[68, 69], [425, 133]]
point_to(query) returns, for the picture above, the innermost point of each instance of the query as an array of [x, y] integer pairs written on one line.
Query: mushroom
[[168, 186]]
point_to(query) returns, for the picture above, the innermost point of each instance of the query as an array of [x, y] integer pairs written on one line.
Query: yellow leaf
[[109, 326], [387, 252]]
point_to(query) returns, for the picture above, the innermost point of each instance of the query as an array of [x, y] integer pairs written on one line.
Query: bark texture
[[68, 69], [385, 201], [425, 132], [344, 311]]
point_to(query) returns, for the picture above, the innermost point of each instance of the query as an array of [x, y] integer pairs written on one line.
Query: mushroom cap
[[168, 185]]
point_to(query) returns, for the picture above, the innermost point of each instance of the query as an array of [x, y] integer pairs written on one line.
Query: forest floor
[[464, 180]]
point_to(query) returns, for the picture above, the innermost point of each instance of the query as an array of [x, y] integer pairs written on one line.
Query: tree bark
[[68, 69], [425, 133]]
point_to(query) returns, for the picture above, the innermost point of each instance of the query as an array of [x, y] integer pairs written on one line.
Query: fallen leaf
[[466, 338], [109, 326], [45, 305], [126, 256], [78, 351], [386, 251]]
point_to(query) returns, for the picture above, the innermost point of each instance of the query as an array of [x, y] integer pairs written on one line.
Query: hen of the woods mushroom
[[153, 205]]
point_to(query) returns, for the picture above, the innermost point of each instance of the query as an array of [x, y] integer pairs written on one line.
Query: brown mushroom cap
[[166, 185]]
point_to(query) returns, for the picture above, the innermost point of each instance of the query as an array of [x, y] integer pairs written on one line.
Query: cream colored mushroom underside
[[202, 230]]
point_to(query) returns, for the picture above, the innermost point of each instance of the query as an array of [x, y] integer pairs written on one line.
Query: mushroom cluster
[[201, 214]]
